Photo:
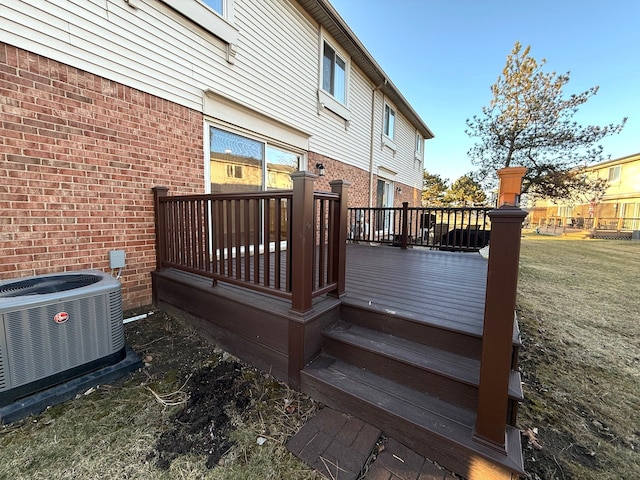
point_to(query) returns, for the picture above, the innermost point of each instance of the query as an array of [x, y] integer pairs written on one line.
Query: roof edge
[[326, 15]]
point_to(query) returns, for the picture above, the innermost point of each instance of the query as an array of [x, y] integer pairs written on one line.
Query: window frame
[[326, 99], [617, 173], [252, 136], [333, 80], [389, 128], [221, 25]]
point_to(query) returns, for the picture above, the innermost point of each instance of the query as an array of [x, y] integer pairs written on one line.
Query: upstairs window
[[215, 16], [389, 121], [215, 5], [418, 143], [614, 174], [334, 75]]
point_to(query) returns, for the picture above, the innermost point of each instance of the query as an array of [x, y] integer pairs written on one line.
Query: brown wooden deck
[[444, 288], [403, 348]]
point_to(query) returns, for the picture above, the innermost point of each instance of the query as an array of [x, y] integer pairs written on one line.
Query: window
[[215, 5], [334, 76], [220, 23], [614, 174], [418, 143], [234, 171], [242, 164], [389, 121]]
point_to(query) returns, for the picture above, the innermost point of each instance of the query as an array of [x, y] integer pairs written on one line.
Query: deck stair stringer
[[428, 425], [417, 381]]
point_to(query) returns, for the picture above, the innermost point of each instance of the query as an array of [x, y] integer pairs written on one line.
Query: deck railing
[[461, 229], [251, 239], [558, 225]]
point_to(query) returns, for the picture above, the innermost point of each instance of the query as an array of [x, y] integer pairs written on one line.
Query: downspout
[[373, 105]]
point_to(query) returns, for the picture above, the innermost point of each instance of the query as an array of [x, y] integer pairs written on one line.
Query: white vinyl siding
[[275, 72]]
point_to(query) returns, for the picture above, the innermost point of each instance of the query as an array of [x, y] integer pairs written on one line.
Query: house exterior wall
[[617, 209], [79, 157], [101, 101]]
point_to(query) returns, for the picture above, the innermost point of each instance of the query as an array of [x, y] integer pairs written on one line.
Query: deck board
[[440, 287]]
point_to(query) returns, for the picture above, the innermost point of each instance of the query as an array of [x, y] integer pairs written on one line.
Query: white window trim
[[388, 141], [325, 99], [197, 12], [395, 118], [251, 135], [617, 180], [231, 112], [420, 144]]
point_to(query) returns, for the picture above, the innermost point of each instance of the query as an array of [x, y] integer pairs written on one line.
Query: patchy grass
[[114, 431], [579, 304], [580, 319]]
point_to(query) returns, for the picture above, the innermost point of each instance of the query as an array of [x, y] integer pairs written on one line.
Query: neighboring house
[[103, 99], [618, 208]]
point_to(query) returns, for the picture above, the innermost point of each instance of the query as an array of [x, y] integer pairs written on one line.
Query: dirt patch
[[192, 411], [216, 394]]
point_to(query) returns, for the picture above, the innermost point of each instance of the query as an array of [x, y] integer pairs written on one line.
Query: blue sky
[[443, 55]]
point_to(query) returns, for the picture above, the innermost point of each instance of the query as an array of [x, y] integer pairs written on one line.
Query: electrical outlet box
[[116, 259]]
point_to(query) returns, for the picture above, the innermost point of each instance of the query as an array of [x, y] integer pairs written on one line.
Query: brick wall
[[336, 170], [359, 190], [79, 157]]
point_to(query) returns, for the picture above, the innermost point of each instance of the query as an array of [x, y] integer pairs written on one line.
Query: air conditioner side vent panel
[[45, 335]]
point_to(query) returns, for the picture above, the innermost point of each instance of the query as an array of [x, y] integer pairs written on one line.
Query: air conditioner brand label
[[61, 317]]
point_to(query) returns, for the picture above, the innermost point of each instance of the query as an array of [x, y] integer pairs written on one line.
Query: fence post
[[405, 225], [339, 232], [500, 302], [302, 241], [160, 224]]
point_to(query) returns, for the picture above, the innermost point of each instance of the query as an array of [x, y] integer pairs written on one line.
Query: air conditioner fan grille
[[44, 285]]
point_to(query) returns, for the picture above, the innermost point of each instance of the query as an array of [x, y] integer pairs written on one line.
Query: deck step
[[432, 427], [447, 375], [436, 332]]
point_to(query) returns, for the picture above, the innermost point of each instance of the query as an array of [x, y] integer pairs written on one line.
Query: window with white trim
[[389, 123], [334, 73], [239, 163], [418, 143], [216, 16], [614, 174], [215, 5]]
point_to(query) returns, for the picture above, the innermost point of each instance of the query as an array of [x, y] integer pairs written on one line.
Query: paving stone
[[334, 444], [397, 462]]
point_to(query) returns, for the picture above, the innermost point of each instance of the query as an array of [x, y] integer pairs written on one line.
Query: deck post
[[497, 340], [339, 231], [160, 224], [302, 241], [405, 225]]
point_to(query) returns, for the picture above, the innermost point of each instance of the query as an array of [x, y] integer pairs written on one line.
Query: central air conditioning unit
[[57, 327]]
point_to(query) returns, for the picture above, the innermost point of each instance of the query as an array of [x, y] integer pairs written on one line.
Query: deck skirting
[[257, 328]]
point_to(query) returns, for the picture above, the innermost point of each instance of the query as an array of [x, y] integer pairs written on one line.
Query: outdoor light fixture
[[321, 170], [398, 190]]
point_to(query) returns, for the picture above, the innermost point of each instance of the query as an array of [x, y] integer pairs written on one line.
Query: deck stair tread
[[397, 406], [424, 357], [469, 326]]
